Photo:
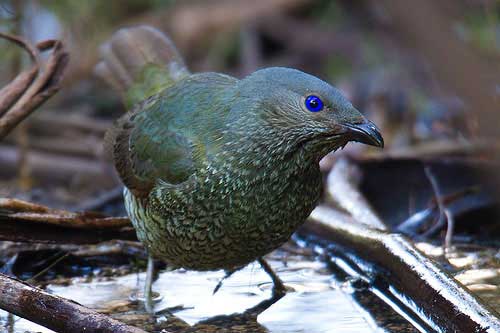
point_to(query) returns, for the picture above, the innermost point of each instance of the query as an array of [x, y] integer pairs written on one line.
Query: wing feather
[[145, 149], [166, 137]]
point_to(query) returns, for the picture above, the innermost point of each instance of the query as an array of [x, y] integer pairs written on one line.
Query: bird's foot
[[149, 302], [279, 291], [279, 288]]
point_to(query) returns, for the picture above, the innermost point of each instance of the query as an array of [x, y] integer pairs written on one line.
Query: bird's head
[[306, 111]]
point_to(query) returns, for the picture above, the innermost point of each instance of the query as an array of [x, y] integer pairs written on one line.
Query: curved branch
[[32, 87]]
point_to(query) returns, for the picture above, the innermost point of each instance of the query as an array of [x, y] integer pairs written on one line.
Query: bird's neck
[[265, 155]]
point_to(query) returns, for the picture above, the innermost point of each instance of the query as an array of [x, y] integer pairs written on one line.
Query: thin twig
[[46, 269], [417, 219], [439, 200], [449, 231]]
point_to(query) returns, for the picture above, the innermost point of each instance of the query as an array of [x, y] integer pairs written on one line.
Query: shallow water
[[321, 300], [317, 303]]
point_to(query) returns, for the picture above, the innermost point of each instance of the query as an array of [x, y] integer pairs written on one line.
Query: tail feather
[[140, 61]]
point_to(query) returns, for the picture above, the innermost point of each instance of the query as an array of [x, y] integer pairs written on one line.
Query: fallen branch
[[392, 265], [15, 209], [22, 221], [53, 312], [32, 87]]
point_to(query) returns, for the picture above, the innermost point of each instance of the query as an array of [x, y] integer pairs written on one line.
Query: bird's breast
[[228, 219]]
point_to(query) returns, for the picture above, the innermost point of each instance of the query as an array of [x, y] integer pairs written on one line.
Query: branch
[[22, 221], [53, 312], [32, 87], [26, 211], [394, 267]]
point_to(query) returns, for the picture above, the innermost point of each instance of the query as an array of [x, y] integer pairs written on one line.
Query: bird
[[219, 171]]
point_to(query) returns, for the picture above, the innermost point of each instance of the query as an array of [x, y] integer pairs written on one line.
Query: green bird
[[219, 171]]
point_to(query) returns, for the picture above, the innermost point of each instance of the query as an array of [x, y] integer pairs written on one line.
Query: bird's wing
[[170, 135], [145, 149]]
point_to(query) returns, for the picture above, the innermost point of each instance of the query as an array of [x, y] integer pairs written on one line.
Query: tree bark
[[389, 263], [53, 312]]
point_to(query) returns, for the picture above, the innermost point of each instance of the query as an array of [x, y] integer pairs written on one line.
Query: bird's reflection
[[237, 322]]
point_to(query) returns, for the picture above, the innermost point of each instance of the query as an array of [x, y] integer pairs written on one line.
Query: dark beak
[[365, 132]]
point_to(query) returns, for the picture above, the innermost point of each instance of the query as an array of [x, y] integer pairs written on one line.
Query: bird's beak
[[365, 132]]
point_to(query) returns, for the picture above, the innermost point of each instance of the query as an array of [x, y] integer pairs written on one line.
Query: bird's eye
[[314, 103]]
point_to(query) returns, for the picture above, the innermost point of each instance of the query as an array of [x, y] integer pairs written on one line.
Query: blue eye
[[314, 103]]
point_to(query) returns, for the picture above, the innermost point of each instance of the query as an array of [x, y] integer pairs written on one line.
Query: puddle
[[317, 304], [322, 299]]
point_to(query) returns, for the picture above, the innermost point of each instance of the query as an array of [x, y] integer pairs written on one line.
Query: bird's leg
[[279, 289], [148, 297], [148, 286], [227, 273]]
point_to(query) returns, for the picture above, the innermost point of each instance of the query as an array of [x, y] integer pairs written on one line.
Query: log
[[391, 264], [53, 312]]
